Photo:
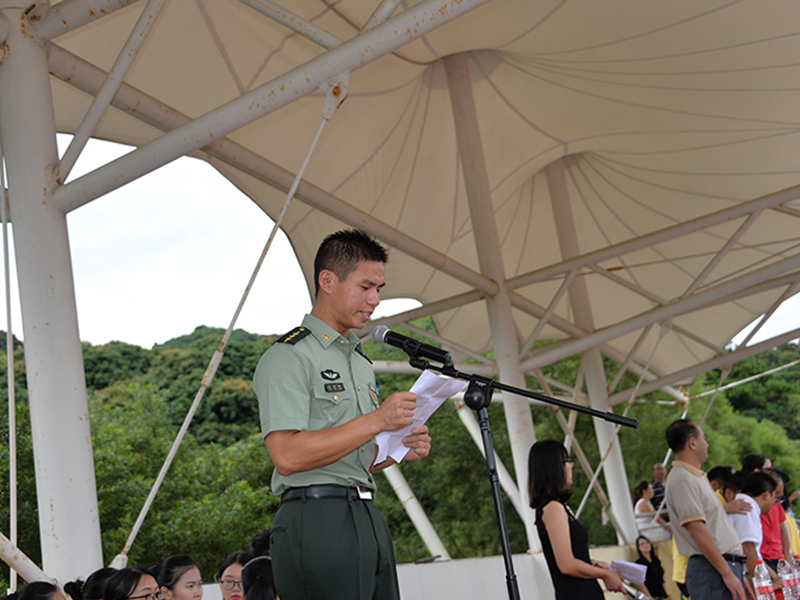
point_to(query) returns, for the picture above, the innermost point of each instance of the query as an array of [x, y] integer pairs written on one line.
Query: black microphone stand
[[478, 397]]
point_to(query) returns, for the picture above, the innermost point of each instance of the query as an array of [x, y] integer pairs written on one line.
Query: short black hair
[[734, 482], [720, 473], [679, 432], [547, 476], [757, 483], [341, 252], [751, 462]]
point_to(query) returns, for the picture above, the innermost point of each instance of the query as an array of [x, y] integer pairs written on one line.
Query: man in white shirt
[[758, 490]]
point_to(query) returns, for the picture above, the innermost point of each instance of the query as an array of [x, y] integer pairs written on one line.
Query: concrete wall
[[475, 579], [482, 578]]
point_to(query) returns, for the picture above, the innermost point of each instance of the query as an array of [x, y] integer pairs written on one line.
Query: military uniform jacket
[[313, 378]]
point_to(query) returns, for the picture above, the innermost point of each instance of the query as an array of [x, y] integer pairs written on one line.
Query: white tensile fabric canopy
[[619, 176], [660, 114]]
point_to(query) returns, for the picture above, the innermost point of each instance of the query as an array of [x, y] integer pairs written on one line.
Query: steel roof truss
[[790, 291], [294, 22], [732, 240], [543, 320], [662, 235], [263, 100], [695, 302], [629, 358], [110, 87], [69, 15], [714, 363]]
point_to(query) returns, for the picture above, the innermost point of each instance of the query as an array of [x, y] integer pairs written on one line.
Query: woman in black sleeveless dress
[[565, 541]]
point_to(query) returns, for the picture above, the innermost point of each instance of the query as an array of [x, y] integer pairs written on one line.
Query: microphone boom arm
[[489, 384]]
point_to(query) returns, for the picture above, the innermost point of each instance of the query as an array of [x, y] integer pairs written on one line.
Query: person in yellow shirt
[[679, 564]]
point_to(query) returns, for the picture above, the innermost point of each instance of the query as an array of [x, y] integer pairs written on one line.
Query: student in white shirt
[[758, 490]]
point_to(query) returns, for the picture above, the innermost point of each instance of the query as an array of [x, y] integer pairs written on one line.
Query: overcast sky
[[175, 249]]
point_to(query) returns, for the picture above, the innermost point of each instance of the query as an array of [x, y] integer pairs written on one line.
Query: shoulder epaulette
[[361, 352], [294, 336]]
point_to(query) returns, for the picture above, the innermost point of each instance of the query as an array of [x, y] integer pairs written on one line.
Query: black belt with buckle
[[735, 558], [327, 492]]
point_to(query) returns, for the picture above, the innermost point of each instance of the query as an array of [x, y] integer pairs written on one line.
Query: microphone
[[633, 592], [412, 347]]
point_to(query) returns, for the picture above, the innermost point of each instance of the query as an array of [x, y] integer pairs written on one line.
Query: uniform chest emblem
[[373, 391], [330, 375]]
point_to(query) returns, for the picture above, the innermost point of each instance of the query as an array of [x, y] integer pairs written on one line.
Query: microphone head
[[379, 334]]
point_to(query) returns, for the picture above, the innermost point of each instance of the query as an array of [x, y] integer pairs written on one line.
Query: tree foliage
[[775, 397]]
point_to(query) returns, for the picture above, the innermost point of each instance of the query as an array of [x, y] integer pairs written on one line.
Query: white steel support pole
[[487, 242], [614, 468], [415, 512], [62, 442]]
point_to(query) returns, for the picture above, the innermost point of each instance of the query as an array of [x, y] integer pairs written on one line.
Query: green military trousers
[[333, 549]]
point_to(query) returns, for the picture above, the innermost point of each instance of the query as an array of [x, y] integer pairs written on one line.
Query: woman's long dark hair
[[123, 582], [654, 558], [547, 475], [36, 590], [257, 580]]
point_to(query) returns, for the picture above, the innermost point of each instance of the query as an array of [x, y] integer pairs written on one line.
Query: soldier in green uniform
[[319, 415]]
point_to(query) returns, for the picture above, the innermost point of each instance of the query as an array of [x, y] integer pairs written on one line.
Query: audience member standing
[[658, 483], [701, 527], [758, 490], [565, 542], [776, 537]]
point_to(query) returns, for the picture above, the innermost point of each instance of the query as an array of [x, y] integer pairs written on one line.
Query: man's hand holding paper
[[431, 391]]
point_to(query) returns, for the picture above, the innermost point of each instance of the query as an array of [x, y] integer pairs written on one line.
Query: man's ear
[[326, 280]]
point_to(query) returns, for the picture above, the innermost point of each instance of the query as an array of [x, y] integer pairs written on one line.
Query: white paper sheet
[[431, 390], [633, 572]]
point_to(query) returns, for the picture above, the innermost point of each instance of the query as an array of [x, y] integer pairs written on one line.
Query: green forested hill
[[217, 495]]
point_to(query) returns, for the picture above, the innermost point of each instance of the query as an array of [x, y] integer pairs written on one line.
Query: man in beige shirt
[[700, 524]]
